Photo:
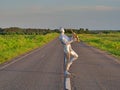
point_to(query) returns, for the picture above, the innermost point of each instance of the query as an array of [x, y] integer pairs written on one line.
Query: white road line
[[20, 58], [23, 56], [67, 80], [68, 85]]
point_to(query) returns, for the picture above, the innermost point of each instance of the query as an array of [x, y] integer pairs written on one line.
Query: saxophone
[[75, 36]]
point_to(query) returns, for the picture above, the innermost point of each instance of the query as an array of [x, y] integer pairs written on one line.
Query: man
[[66, 42]]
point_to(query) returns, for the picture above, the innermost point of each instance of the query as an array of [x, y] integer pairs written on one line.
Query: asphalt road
[[43, 69], [94, 70], [39, 70]]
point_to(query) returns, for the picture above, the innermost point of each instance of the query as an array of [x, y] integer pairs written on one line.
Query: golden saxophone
[[75, 36]]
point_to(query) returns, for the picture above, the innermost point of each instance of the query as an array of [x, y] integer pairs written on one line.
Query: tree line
[[30, 31]]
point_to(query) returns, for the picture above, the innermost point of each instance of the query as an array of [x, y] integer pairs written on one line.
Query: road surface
[[43, 69], [95, 70]]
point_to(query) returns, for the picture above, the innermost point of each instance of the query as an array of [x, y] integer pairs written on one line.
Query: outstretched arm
[[72, 39]]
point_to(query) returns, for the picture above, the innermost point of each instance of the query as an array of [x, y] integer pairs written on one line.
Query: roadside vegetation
[[109, 42], [15, 41], [14, 45]]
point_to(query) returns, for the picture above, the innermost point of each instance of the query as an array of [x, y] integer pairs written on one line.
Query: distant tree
[[86, 30], [81, 30], [13, 30], [1, 31]]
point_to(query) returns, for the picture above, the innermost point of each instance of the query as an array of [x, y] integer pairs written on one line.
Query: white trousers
[[73, 54]]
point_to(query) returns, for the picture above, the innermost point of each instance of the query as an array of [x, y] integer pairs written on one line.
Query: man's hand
[[75, 39], [69, 42]]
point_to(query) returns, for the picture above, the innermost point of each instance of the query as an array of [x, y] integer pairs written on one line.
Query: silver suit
[[66, 42]]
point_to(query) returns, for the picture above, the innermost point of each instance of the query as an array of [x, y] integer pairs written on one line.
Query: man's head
[[62, 30]]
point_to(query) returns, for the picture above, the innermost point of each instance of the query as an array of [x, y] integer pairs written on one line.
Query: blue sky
[[91, 14]]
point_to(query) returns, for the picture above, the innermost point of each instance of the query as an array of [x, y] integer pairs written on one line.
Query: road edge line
[[26, 54]]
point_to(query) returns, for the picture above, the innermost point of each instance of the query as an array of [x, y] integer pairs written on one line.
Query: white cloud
[[102, 8], [91, 8]]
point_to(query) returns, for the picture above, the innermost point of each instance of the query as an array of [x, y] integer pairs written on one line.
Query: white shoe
[[67, 73]]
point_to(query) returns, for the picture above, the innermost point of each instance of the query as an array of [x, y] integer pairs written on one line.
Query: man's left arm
[[71, 40]]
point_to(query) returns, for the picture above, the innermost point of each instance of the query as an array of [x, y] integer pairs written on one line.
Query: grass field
[[14, 45], [107, 42]]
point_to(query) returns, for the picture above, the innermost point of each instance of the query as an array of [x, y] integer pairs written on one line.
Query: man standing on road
[[68, 51]]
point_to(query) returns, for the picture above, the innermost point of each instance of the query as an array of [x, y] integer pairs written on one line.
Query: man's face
[[63, 30]]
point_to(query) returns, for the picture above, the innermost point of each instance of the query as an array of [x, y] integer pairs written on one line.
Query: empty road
[[43, 69]]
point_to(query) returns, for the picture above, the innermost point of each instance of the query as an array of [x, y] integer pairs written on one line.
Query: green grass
[[108, 42], [15, 45]]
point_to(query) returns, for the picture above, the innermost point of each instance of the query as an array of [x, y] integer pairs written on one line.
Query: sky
[[52, 14]]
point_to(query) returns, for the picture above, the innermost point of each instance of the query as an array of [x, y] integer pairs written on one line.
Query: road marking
[[12, 62], [67, 79], [24, 56], [67, 84]]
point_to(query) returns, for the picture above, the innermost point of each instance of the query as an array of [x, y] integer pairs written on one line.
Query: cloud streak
[[72, 8], [37, 10], [91, 8]]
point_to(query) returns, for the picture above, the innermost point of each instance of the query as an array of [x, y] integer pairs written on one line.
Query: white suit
[[66, 42]]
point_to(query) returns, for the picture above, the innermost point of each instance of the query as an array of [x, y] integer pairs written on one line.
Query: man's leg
[[68, 59], [74, 54], [69, 63]]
